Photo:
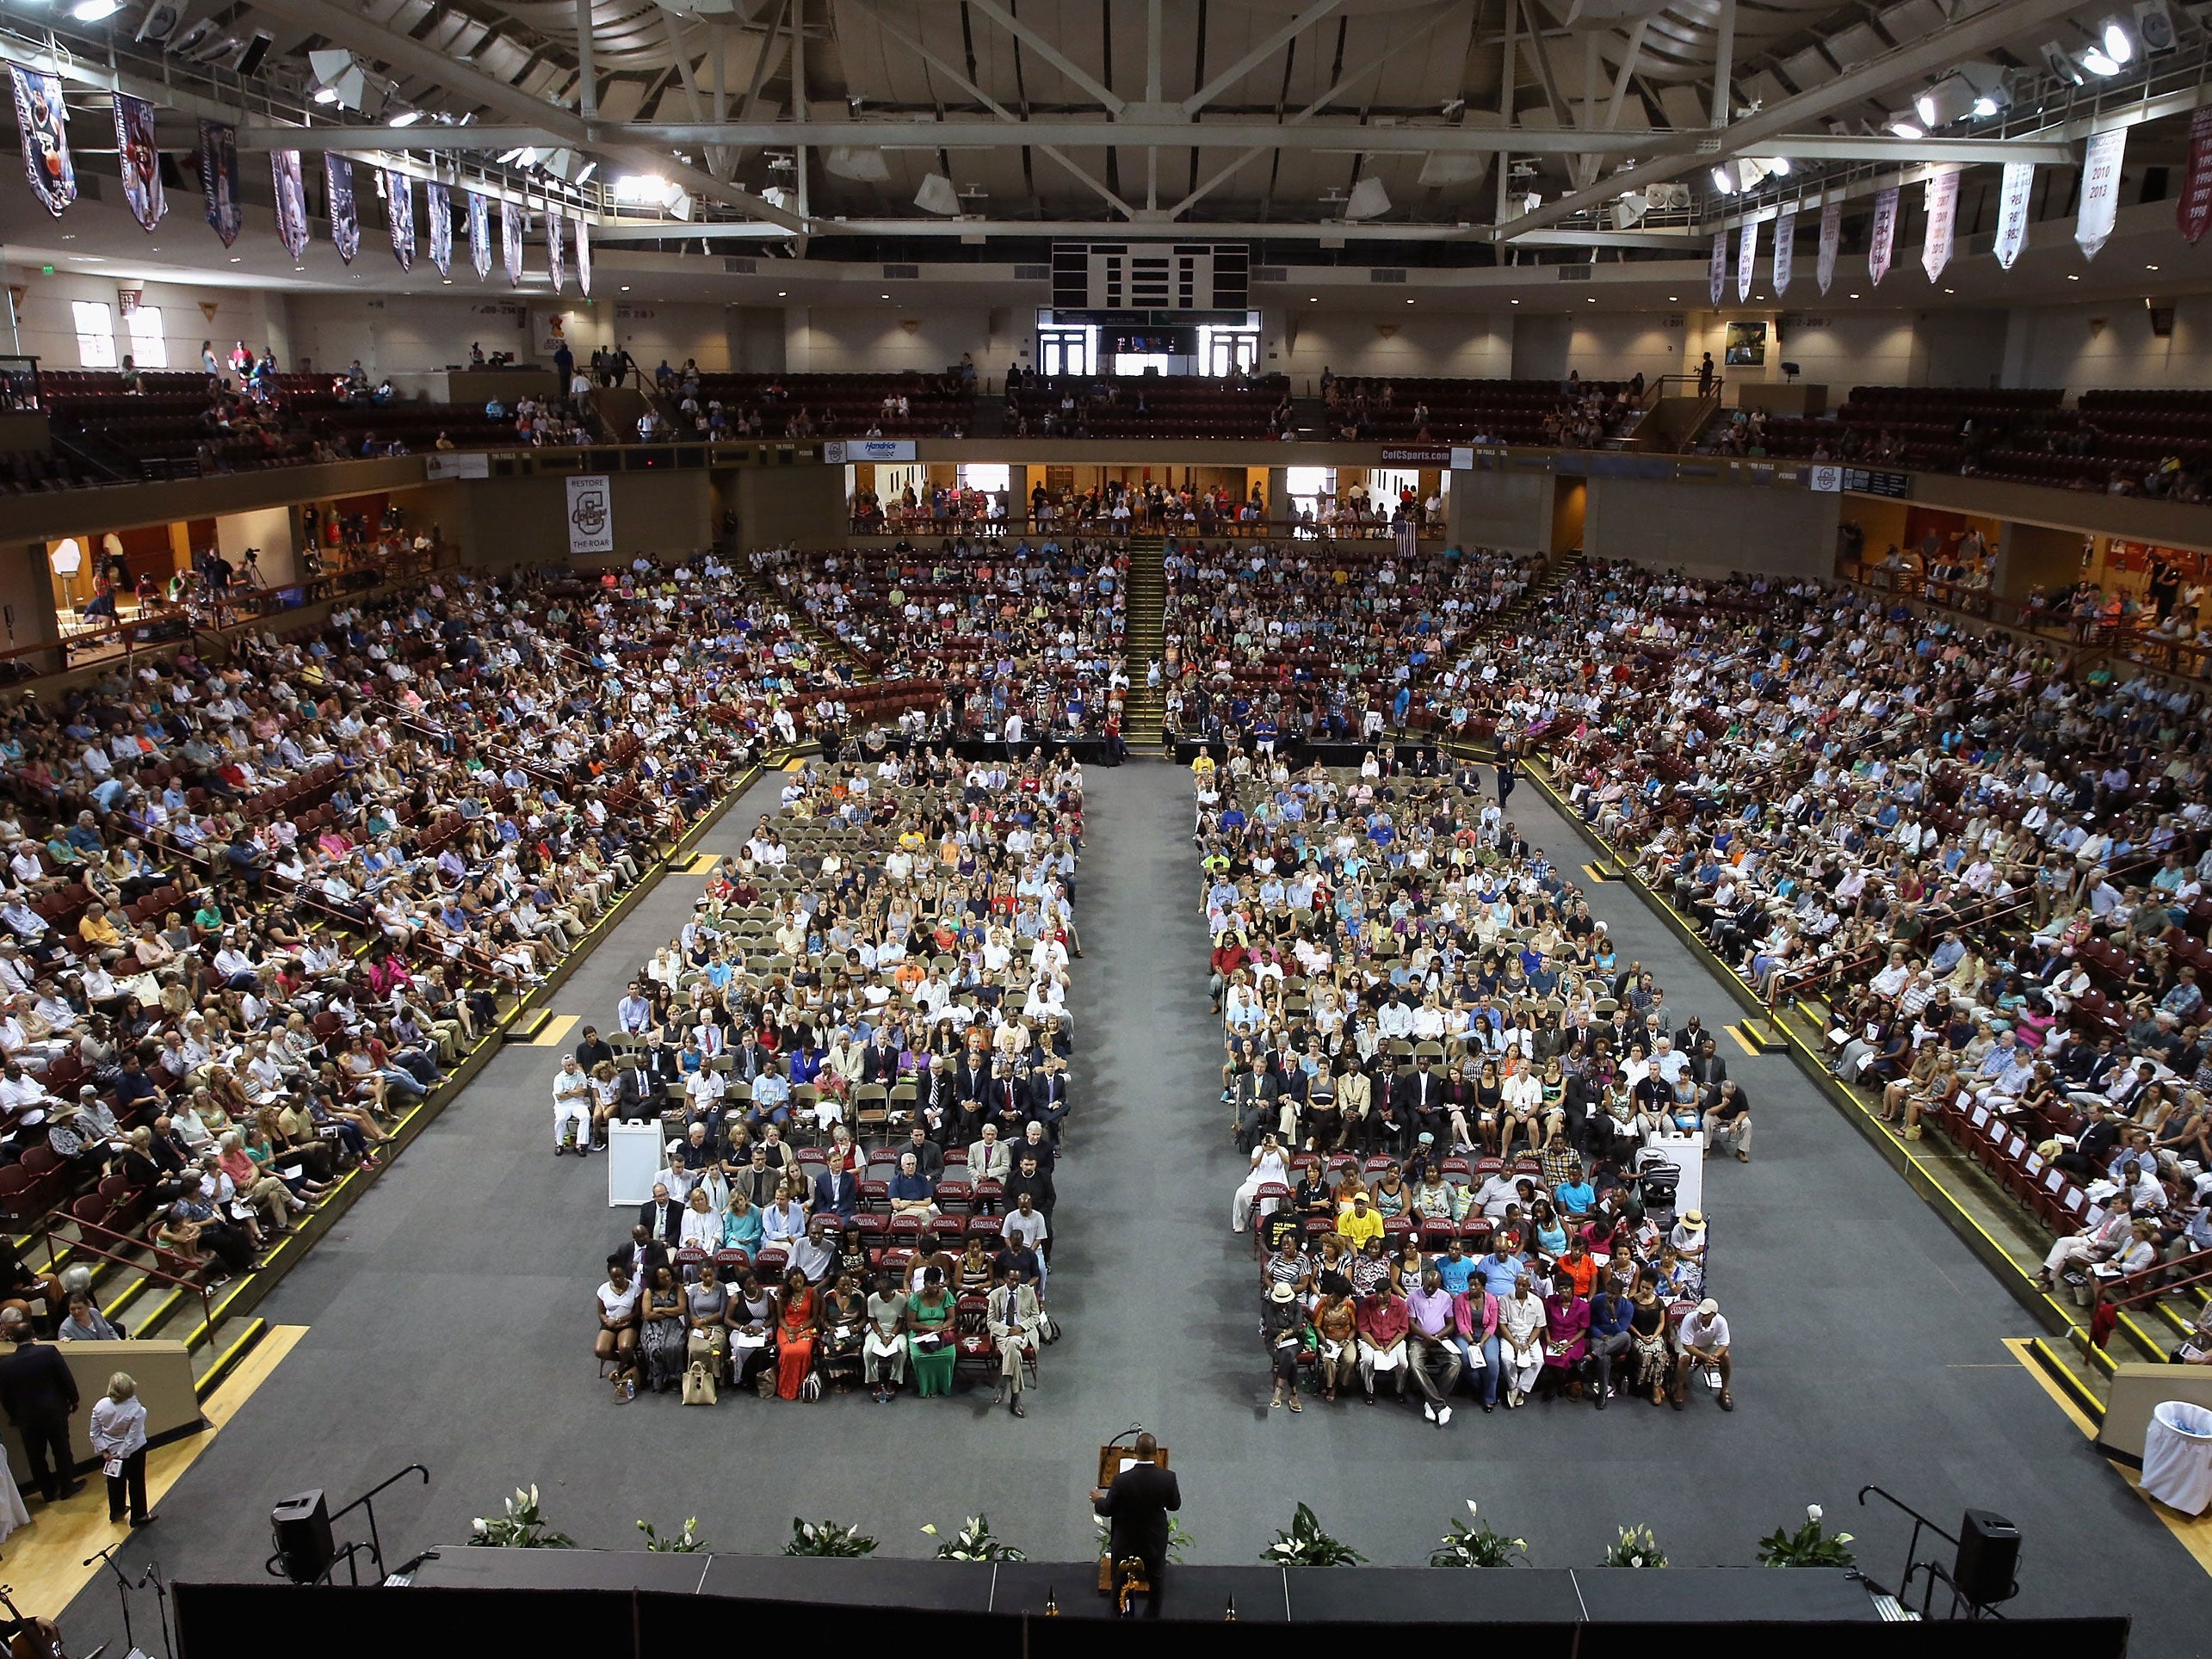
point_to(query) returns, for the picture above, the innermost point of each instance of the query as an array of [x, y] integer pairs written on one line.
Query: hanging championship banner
[[345, 213], [556, 250], [1885, 235], [2194, 213], [140, 160], [590, 516], [291, 201], [2012, 211], [400, 214], [437, 207], [219, 180], [1785, 248], [479, 234], [1718, 281], [41, 117], [2100, 191], [1832, 239], [1747, 259], [1942, 205], [584, 259], [512, 222]]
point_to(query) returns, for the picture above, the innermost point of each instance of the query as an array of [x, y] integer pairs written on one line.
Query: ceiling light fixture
[[92, 11], [2098, 62], [2119, 40], [1903, 128], [2071, 277], [1724, 181], [2150, 268], [406, 118]]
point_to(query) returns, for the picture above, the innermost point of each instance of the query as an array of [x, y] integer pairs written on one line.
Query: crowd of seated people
[[883, 974], [254, 910], [1021, 638], [1573, 414], [1464, 1112], [1990, 872], [1329, 641]]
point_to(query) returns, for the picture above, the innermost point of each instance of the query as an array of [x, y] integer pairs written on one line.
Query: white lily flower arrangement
[[1636, 1547], [1479, 1546], [828, 1538], [521, 1527], [1811, 1545], [973, 1542]]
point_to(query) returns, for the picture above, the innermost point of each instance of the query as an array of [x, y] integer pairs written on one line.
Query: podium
[[1112, 1460]]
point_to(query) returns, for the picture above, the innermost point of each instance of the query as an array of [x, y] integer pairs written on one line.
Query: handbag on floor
[[699, 1386]]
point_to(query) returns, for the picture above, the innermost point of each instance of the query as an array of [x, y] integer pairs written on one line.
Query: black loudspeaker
[[1989, 1553], [302, 1527]]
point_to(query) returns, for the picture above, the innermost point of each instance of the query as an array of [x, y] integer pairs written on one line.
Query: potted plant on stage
[[1479, 1546], [523, 1527], [1810, 1545], [827, 1538], [973, 1542], [1305, 1544], [1636, 1548]]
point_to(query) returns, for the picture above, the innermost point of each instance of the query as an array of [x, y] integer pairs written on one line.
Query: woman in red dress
[[797, 1316]]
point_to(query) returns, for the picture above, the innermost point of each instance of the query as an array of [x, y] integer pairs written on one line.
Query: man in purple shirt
[[1428, 1341]]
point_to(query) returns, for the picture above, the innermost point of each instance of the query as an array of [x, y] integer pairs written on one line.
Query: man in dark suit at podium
[[1137, 1504]]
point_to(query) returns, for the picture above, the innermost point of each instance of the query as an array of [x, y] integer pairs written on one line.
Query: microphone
[[95, 1560]]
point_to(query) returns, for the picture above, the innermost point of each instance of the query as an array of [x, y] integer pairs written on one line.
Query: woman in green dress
[[929, 1335]]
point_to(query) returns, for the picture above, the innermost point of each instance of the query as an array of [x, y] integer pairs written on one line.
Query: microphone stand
[[125, 1584]]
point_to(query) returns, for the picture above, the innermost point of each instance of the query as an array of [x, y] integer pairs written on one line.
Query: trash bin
[[2178, 1457]]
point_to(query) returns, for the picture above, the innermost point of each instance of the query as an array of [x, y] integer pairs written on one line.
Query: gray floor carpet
[[451, 1317]]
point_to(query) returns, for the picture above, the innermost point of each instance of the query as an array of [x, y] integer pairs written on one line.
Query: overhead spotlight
[[1950, 99], [1629, 210], [864, 163], [1903, 128], [92, 11], [2099, 62], [776, 196], [1369, 200], [1724, 181], [937, 195], [640, 186], [1984, 108], [338, 79], [405, 118], [158, 22], [585, 177], [2119, 38], [2154, 26], [2060, 64], [1779, 166]]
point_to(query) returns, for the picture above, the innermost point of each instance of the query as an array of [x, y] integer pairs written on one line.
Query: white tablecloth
[[2178, 1457]]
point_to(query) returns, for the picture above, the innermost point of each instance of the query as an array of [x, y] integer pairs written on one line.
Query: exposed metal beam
[[1297, 123], [733, 230], [1000, 129], [1297, 132], [1628, 56], [1007, 118], [1756, 134], [1724, 62], [1051, 54], [587, 73], [1259, 55], [357, 33]]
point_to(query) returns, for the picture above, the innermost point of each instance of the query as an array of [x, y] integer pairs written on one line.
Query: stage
[[611, 1602]]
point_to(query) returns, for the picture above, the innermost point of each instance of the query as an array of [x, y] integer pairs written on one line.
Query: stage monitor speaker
[[1989, 1553], [302, 1527]]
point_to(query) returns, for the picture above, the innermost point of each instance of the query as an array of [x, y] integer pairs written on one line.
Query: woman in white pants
[[1268, 1169], [1521, 1330]]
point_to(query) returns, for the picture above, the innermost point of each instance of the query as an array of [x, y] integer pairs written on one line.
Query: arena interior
[[1322, 727]]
